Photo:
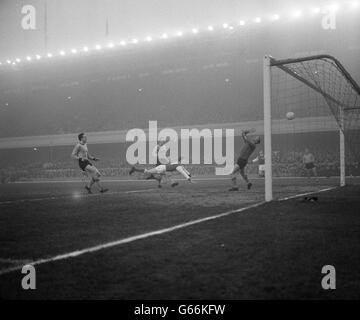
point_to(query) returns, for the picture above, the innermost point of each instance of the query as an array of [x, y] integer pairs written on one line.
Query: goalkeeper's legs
[[233, 178], [245, 177], [240, 169]]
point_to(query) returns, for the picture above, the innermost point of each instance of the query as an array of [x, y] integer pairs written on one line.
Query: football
[[290, 115]]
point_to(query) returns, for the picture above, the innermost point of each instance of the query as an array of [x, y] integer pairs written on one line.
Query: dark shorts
[[84, 163], [309, 165], [171, 167], [241, 163]]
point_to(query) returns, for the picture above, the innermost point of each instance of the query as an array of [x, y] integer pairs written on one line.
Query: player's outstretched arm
[[244, 135]]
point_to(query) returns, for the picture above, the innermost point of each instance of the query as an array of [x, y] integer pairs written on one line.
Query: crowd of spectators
[[285, 164]]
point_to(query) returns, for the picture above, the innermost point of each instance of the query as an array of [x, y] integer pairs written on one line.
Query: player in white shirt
[[163, 166], [81, 153]]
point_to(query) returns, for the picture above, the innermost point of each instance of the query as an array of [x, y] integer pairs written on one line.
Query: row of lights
[[293, 14]]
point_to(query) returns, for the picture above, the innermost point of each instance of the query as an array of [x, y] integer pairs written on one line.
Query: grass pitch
[[274, 250]]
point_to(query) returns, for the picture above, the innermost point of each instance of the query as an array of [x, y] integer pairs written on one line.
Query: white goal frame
[[268, 63]]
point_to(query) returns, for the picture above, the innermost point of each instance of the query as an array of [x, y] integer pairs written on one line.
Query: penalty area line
[[107, 245]]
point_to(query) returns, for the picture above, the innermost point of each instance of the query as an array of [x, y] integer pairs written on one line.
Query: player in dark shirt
[[245, 153], [309, 163]]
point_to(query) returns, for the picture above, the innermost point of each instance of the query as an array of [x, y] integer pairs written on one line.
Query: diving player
[[159, 152], [163, 166], [162, 169]]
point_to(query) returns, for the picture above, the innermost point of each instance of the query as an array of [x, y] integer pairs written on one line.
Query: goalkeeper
[[245, 153]]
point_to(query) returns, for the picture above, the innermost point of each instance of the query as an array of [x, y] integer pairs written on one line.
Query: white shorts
[[160, 169], [261, 167]]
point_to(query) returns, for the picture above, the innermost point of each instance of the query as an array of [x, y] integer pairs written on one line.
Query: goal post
[[342, 147], [267, 129], [322, 95]]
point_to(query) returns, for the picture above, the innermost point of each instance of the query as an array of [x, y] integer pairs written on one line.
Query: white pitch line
[[78, 253], [306, 194], [75, 196]]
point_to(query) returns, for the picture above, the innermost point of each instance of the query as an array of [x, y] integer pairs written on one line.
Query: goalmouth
[[311, 86]]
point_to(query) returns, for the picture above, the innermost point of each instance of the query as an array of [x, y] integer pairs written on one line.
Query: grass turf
[[274, 251]]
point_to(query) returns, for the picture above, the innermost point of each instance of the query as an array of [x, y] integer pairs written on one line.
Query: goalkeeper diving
[[242, 161]]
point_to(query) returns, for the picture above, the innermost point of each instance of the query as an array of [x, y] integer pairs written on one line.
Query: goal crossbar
[[356, 87]]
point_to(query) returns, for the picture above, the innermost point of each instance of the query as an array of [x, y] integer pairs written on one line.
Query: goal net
[[311, 107]]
